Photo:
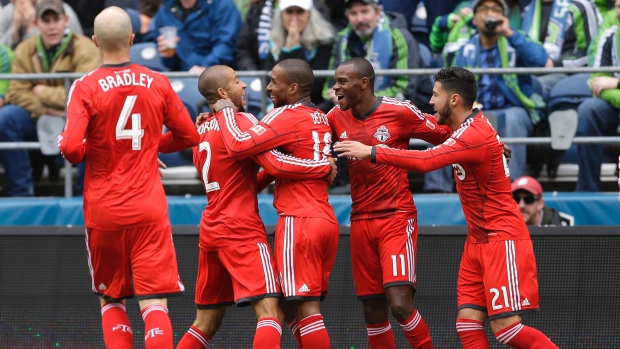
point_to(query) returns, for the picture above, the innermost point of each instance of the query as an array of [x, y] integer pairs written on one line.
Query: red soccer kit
[[233, 241], [383, 216], [307, 234], [115, 117], [498, 269]]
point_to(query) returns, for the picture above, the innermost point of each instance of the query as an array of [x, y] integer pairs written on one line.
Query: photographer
[[510, 97]]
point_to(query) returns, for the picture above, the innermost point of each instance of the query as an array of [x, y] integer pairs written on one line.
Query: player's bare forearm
[[353, 149]]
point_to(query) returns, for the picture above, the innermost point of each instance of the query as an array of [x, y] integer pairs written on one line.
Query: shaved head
[[298, 72], [113, 29], [363, 68], [213, 78]]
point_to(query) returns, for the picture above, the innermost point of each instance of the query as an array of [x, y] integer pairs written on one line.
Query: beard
[[443, 114], [365, 31]]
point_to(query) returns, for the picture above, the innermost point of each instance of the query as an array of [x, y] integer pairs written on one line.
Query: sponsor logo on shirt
[[258, 129], [343, 135], [382, 134]]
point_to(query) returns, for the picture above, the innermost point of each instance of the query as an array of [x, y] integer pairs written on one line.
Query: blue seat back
[[187, 90], [569, 92], [146, 54]]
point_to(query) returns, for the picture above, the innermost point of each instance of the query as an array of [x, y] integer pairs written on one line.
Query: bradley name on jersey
[[125, 78]]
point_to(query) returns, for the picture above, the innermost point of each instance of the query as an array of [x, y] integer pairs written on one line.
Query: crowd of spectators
[[257, 34]]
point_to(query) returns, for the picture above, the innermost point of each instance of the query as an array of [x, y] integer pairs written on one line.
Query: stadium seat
[[253, 95], [569, 92], [187, 89], [146, 54], [427, 56]]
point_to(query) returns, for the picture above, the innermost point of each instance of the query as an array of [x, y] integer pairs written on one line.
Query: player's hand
[[202, 117], [223, 103], [334, 172], [161, 166], [353, 149], [507, 151]]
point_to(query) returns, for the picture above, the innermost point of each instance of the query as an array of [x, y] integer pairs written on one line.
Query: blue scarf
[[532, 19], [264, 30], [378, 49]]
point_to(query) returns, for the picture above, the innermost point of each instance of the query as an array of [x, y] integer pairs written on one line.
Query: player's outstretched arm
[[285, 166]]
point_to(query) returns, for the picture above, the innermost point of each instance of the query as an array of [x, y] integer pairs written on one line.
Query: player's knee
[[401, 309]]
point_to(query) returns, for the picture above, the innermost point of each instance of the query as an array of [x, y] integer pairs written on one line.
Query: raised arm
[[285, 166], [182, 133]]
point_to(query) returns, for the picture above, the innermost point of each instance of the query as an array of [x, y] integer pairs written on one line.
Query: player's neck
[[115, 57], [457, 119], [367, 103]]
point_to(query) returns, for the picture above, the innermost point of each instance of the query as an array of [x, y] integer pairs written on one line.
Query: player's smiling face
[[347, 86], [278, 87], [441, 102], [236, 91]]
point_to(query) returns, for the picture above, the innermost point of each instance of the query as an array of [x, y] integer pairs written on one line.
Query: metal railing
[[264, 76]]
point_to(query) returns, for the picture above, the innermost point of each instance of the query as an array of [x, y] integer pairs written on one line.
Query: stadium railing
[[264, 76]]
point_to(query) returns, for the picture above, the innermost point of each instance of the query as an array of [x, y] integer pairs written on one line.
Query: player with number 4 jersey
[[115, 117]]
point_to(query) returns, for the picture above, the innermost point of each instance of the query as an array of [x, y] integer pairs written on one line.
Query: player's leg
[[306, 251], [368, 276], [156, 277], [210, 301], [207, 323], [397, 250], [511, 281], [471, 300], [269, 324], [111, 280]]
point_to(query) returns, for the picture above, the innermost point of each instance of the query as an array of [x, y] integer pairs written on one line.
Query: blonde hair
[[318, 31]]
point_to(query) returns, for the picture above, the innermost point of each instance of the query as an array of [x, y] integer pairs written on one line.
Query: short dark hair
[[460, 81], [212, 79], [363, 68], [298, 72]]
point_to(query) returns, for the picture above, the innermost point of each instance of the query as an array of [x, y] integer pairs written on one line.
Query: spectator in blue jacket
[[498, 46], [207, 33]]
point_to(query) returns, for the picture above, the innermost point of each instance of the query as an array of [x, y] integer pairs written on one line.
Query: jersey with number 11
[[115, 117]]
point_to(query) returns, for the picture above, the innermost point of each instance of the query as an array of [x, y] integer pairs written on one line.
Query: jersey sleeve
[[285, 166], [242, 143], [453, 150], [423, 126], [262, 180], [72, 140], [182, 133]]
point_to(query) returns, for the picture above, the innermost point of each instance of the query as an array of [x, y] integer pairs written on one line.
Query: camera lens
[[490, 23]]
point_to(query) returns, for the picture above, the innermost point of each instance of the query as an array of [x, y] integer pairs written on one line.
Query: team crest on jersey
[[459, 171], [382, 134], [258, 129]]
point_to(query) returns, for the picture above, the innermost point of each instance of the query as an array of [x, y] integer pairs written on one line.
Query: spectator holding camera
[[510, 97], [528, 195]]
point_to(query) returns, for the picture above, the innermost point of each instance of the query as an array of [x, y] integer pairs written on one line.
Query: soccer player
[[234, 253], [306, 236], [497, 278], [115, 117], [384, 227]]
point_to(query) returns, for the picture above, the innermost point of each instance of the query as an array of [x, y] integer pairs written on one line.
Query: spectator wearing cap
[[17, 22], [509, 97], [300, 31], [55, 49], [384, 40], [207, 33], [528, 194]]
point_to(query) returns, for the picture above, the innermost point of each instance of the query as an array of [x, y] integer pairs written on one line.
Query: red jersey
[[231, 217], [380, 190], [481, 174], [299, 130], [115, 117]]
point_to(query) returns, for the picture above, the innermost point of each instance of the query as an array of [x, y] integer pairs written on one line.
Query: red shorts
[[383, 252], [144, 255], [305, 253], [499, 278], [239, 274]]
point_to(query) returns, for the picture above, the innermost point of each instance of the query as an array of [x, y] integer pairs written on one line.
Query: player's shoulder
[[401, 106], [475, 129], [287, 110]]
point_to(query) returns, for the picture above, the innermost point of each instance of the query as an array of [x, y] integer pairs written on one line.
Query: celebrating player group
[[115, 117]]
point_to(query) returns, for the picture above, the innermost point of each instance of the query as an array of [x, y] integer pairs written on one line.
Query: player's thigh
[[397, 252], [305, 254], [108, 261], [470, 285], [252, 272], [154, 261], [213, 283], [365, 261], [510, 278]]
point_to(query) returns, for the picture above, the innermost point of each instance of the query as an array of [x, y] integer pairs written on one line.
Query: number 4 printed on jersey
[[135, 133]]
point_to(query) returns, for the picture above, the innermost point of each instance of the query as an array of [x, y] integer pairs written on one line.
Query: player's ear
[[364, 82], [293, 89], [222, 93]]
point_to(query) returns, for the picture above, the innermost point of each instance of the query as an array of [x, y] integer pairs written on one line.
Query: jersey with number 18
[[115, 117]]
